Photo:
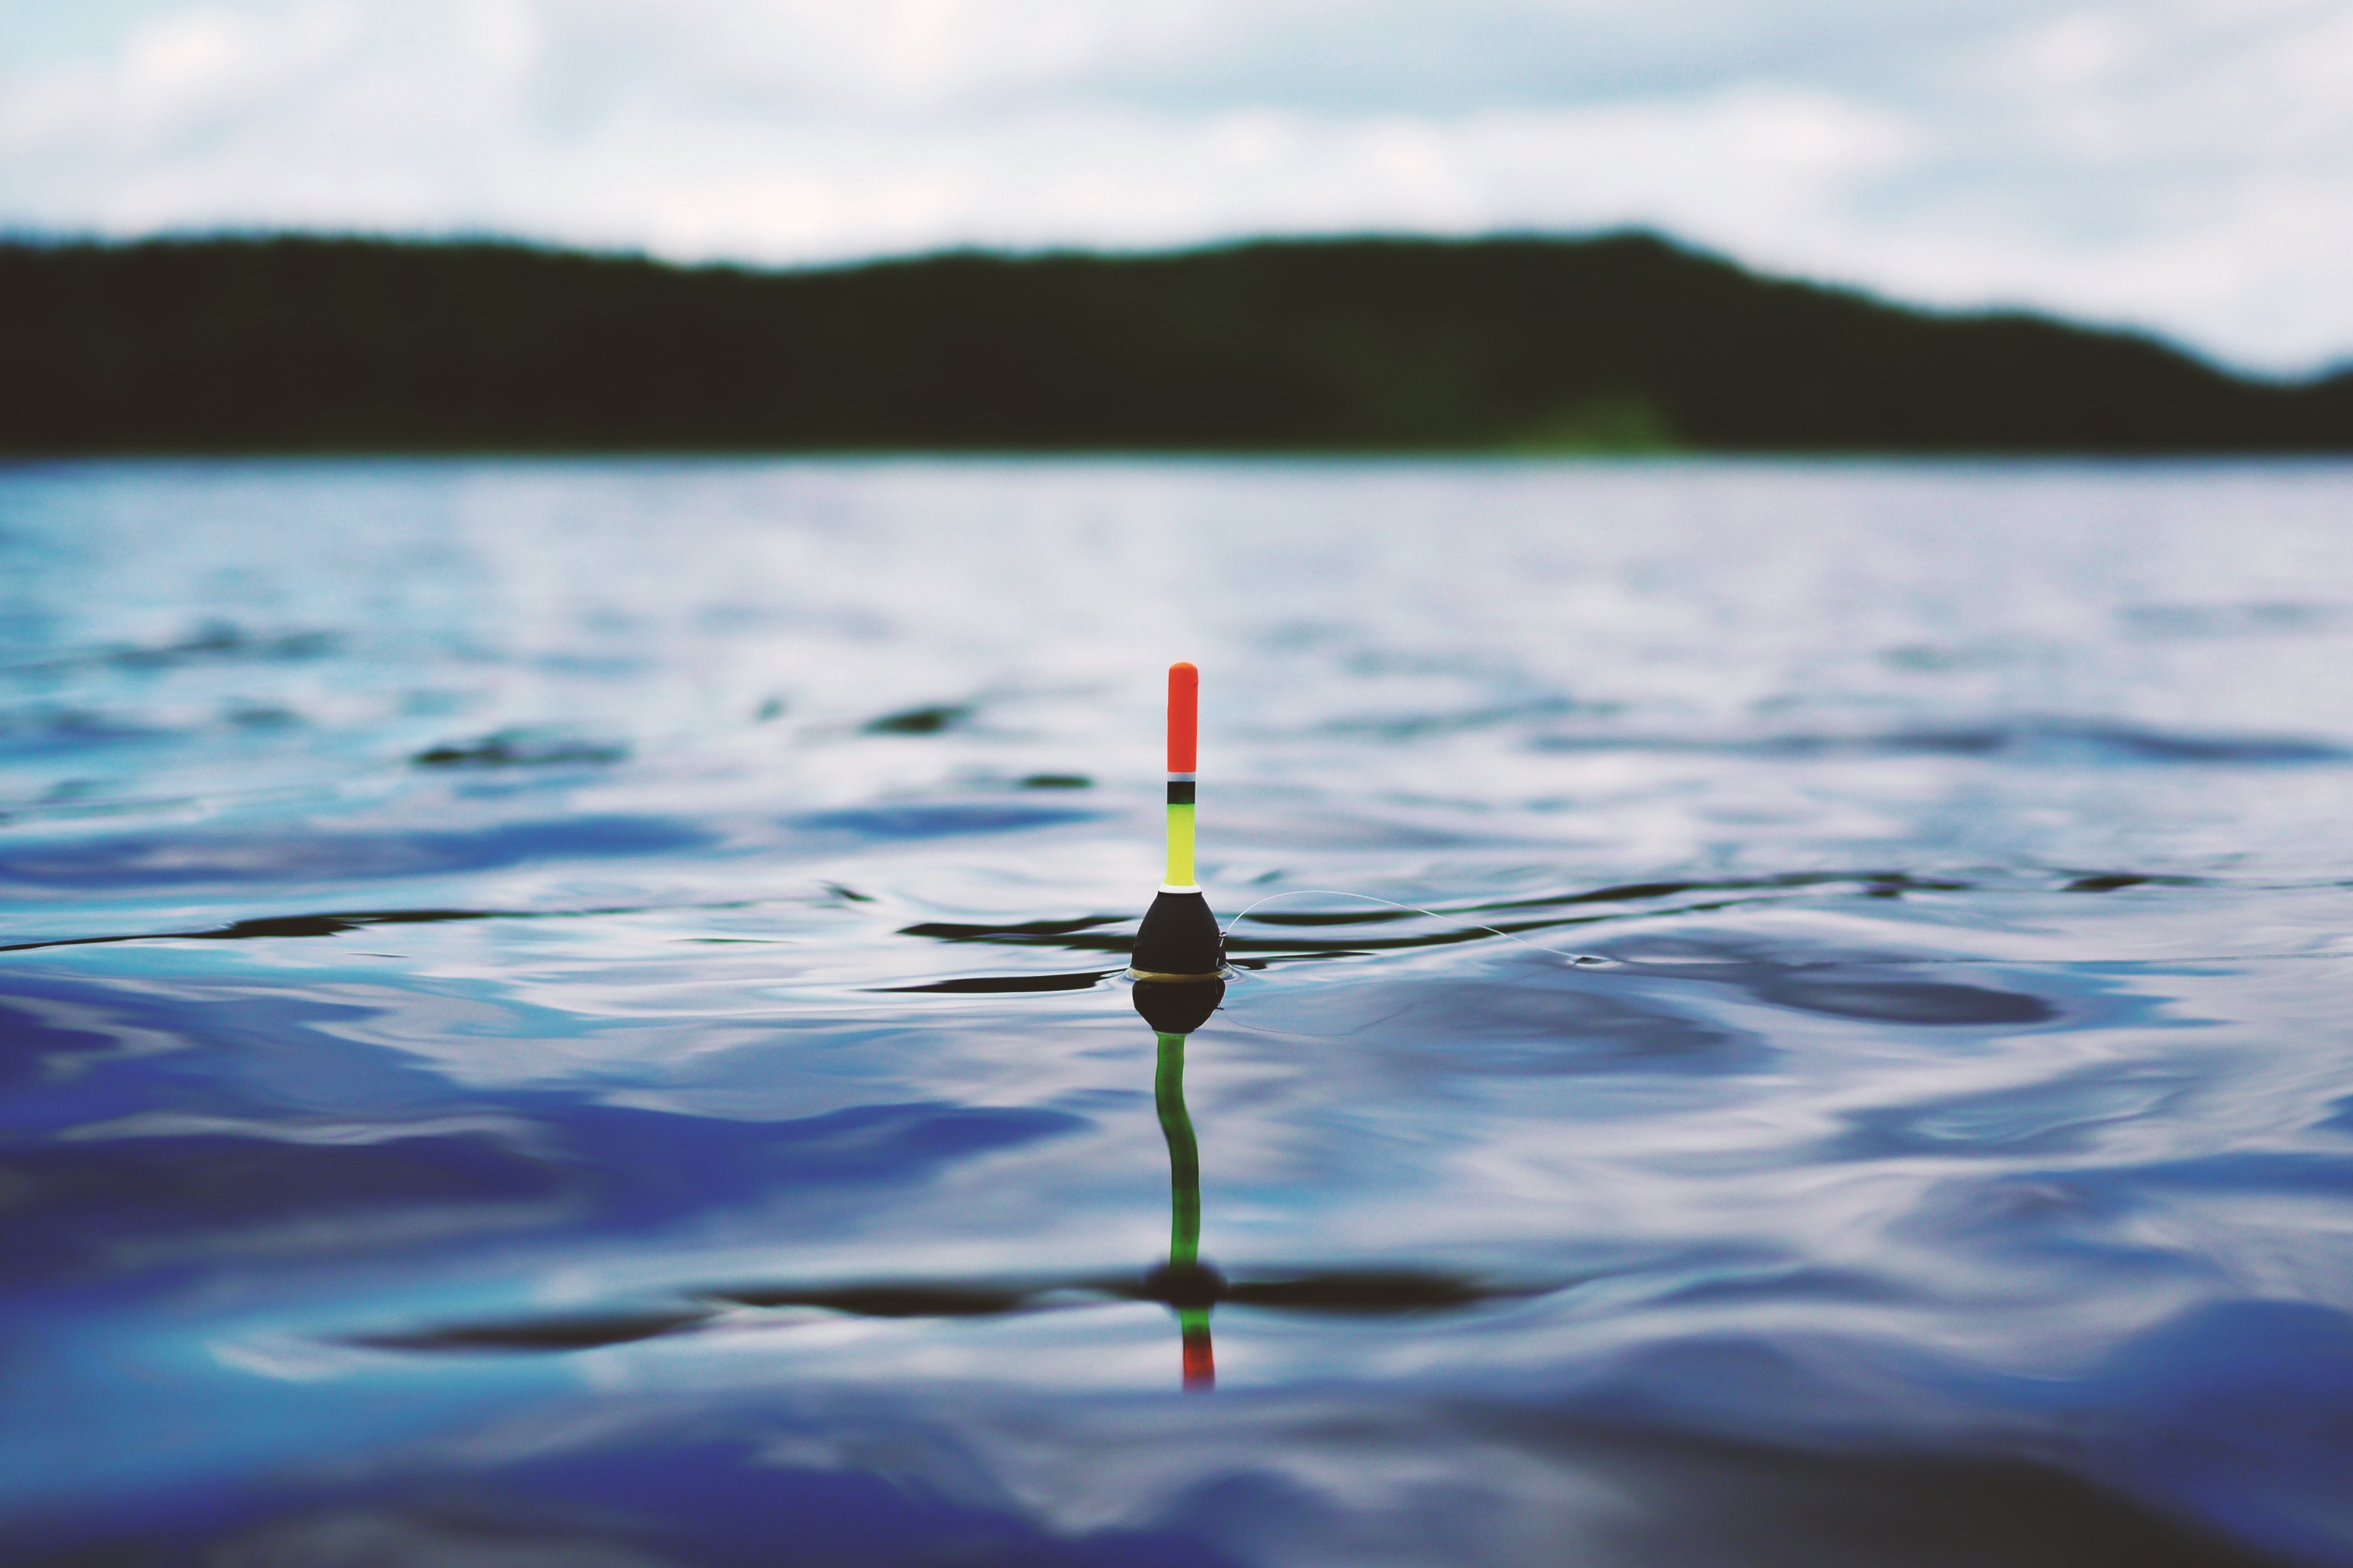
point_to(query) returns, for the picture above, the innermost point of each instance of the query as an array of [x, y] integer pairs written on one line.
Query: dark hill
[[1620, 343]]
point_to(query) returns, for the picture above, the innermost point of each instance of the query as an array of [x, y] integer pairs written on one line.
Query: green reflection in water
[[1184, 1210]]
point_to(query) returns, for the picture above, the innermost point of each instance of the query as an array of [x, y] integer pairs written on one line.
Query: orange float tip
[[1184, 716]]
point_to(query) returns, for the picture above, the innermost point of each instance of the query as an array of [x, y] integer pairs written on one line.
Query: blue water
[[567, 1013]]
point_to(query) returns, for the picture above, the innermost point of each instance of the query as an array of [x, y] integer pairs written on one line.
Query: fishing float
[[1178, 963], [1180, 970]]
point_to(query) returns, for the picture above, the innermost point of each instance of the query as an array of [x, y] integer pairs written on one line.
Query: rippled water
[[566, 1014]]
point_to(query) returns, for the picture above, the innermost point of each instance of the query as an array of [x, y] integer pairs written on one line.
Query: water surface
[[567, 1013]]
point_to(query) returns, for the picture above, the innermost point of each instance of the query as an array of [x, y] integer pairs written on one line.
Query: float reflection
[[1187, 1284], [1184, 1269]]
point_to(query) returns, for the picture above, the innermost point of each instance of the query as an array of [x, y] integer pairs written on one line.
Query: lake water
[[568, 1014]]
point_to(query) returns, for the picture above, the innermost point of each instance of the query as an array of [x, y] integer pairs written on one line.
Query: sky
[[2183, 166]]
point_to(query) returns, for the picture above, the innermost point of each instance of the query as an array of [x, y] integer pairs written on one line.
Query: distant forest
[[1624, 342]]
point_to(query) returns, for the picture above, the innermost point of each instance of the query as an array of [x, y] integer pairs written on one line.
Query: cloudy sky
[[2185, 165]]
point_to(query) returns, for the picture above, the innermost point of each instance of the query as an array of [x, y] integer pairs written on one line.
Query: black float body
[[1180, 963], [1178, 939]]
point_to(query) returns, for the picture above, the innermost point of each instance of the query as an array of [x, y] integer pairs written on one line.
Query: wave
[[150, 861], [1349, 1291], [2035, 741], [216, 642]]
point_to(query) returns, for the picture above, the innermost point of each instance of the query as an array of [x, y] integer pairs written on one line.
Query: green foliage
[[1624, 423], [1621, 344]]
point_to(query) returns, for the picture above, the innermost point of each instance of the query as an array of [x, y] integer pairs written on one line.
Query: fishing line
[[1178, 959], [1585, 958], [1593, 960]]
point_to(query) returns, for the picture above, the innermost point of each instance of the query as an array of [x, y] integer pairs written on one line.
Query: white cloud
[[2184, 164], [173, 74]]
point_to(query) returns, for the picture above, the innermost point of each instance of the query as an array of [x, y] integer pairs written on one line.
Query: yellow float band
[[1180, 845]]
